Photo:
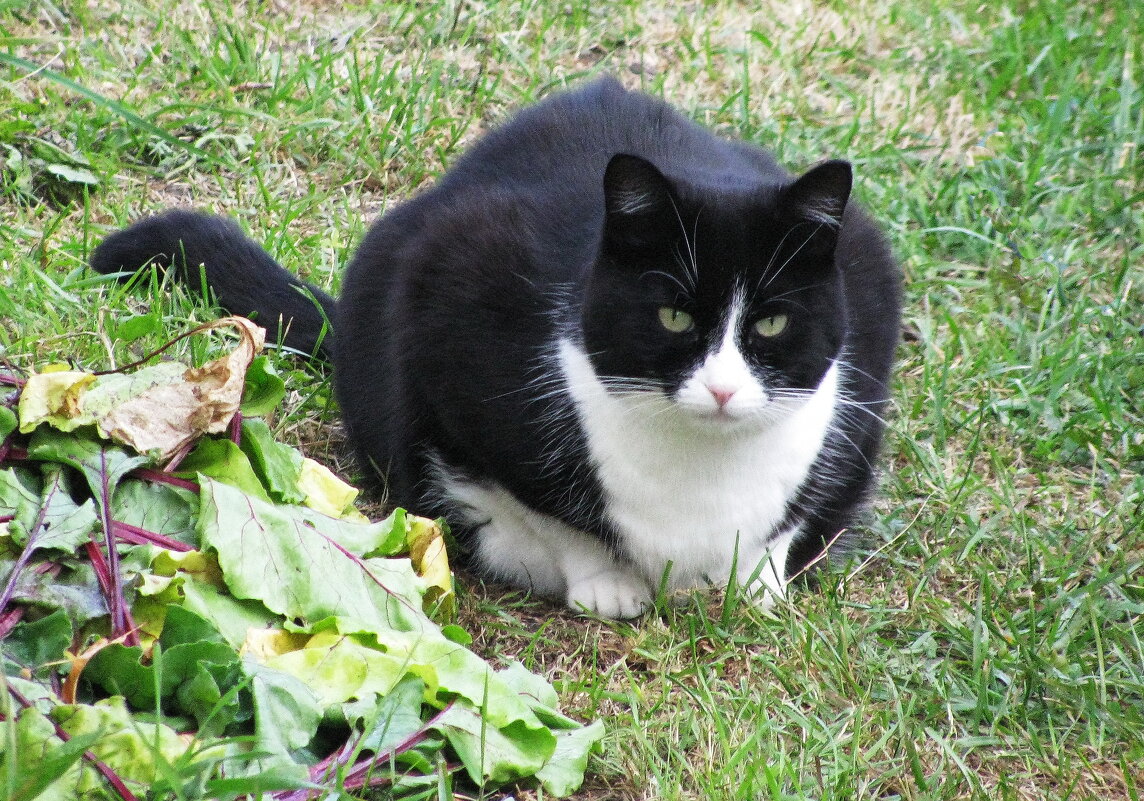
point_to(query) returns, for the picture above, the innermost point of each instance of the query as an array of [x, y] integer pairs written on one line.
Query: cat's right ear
[[639, 204], [818, 198]]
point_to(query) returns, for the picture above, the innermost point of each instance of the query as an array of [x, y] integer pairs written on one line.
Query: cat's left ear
[[639, 205], [819, 197]]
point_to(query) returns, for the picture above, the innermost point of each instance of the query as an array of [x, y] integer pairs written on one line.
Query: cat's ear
[[819, 197], [639, 205]]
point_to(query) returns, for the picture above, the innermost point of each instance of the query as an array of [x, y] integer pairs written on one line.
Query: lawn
[[988, 642]]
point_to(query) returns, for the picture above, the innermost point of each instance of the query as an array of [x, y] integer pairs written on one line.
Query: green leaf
[[43, 766], [286, 712], [183, 627], [75, 590], [563, 773], [121, 670], [392, 720], [37, 643], [222, 460], [8, 422], [231, 616], [65, 526], [267, 781], [264, 388], [490, 754], [159, 508], [338, 668], [277, 465], [91, 457], [130, 747], [20, 499], [277, 555]]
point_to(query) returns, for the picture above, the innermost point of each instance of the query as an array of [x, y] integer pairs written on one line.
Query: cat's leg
[[762, 570], [523, 547]]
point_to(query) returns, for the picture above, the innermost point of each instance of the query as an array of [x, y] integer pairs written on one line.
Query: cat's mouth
[[728, 416]]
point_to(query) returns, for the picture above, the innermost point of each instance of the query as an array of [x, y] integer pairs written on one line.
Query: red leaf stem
[[107, 773], [12, 380], [178, 456], [15, 454], [159, 477], [235, 430], [358, 775], [9, 619], [26, 554], [141, 536], [103, 573], [116, 603]]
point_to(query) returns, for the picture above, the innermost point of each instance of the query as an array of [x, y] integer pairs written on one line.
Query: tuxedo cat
[[610, 348]]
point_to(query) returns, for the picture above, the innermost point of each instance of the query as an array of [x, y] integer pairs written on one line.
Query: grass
[[990, 643]]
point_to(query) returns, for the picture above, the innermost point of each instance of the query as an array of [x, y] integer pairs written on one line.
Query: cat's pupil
[[675, 320], [771, 326]]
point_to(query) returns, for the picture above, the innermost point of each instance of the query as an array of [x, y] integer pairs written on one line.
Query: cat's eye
[[771, 326], [674, 320]]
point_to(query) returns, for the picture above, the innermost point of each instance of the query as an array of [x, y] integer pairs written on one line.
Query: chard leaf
[[286, 712], [222, 460], [391, 721], [42, 766], [276, 555], [122, 670], [490, 754], [161, 508], [339, 669], [264, 389], [65, 526], [33, 645], [563, 773], [90, 457], [9, 422], [132, 748], [277, 465]]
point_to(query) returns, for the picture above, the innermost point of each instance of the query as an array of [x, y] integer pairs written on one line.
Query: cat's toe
[[613, 593]]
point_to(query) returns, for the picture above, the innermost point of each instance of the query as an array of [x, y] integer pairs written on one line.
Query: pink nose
[[722, 395]]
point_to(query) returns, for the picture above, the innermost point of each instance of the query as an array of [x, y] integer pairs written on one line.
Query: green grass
[[990, 644]]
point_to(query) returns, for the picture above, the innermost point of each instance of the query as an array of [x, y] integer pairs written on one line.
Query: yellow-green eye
[[771, 326], [676, 321]]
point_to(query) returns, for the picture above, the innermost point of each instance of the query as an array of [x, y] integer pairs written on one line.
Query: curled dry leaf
[[156, 410]]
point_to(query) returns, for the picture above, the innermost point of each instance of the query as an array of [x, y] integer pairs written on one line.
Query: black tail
[[243, 277]]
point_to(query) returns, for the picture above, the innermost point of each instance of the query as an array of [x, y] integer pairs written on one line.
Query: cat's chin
[[731, 420]]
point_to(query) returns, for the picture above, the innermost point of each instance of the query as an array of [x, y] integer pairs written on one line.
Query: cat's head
[[722, 297]]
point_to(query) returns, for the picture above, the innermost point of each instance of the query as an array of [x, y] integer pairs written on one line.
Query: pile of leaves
[[189, 608]]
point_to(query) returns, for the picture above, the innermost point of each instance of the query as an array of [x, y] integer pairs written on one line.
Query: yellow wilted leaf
[[156, 410], [53, 397], [263, 644], [326, 493], [426, 544], [203, 566]]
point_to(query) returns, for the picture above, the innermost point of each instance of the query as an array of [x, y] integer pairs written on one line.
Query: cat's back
[[564, 143]]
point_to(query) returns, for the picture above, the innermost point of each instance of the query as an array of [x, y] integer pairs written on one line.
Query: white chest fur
[[690, 491]]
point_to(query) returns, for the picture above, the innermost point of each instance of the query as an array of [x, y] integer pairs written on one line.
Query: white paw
[[765, 594], [612, 593]]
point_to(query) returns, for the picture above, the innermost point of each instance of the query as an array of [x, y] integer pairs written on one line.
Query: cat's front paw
[[612, 593]]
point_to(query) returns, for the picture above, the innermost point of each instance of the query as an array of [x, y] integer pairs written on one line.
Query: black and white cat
[[607, 346]]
